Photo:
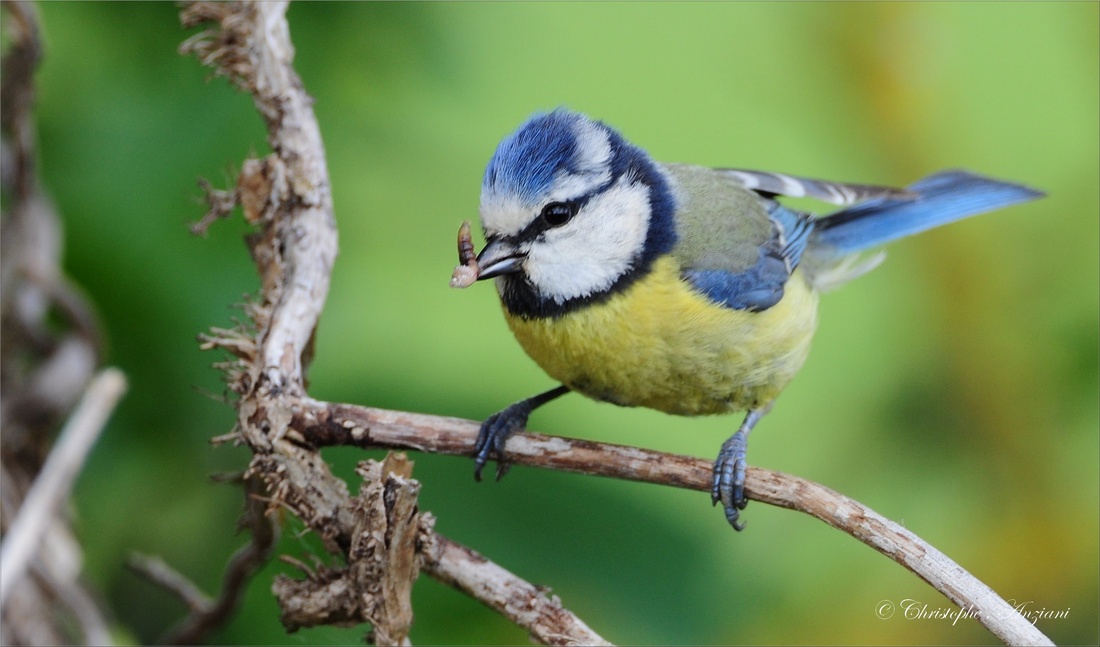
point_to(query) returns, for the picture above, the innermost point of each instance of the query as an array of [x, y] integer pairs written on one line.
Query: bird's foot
[[499, 427], [728, 484], [494, 433]]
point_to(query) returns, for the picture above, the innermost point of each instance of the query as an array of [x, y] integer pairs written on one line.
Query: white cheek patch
[[600, 244]]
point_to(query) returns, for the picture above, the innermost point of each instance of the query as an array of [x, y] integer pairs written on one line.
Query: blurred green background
[[954, 389]]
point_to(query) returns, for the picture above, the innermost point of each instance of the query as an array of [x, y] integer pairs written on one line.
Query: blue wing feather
[[941, 198], [760, 286], [757, 288], [933, 201]]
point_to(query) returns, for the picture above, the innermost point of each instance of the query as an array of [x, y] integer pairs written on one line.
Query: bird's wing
[[839, 193], [735, 246]]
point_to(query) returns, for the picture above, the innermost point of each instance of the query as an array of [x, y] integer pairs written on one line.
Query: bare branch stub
[[220, 204], [384, 558]]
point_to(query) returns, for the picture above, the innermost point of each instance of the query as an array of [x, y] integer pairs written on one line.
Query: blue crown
[[527, 161]]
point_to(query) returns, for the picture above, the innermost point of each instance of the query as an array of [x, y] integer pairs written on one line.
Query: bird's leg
[[728, 484], [499, 427]]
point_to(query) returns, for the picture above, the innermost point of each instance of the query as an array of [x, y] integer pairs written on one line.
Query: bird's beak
[[499, 257]]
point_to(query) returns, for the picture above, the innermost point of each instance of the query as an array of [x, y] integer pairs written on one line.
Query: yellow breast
[[660, 344]]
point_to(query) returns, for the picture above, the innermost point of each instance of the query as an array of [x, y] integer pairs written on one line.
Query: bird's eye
[[557, 214]]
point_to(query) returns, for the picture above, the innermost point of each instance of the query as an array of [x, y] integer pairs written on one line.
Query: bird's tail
[[937, 200]]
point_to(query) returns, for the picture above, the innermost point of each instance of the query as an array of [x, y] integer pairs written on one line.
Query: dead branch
[[321, 424], [207, 614], [531, 607], [383, 561], [49, 353], [161, 573], [287, 196], [54, 483]]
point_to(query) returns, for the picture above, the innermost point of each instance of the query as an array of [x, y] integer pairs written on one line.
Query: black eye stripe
[[541, 224]]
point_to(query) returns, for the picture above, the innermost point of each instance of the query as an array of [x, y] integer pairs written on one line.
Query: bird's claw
[[728, 484], [494, 433], [499, 427]]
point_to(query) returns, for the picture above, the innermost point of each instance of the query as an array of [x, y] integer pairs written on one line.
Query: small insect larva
[[466, 273]]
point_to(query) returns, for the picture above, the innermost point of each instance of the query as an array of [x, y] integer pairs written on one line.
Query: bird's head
[[571, 212]]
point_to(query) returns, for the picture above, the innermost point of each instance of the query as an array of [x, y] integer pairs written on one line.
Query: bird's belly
[[660, 344]]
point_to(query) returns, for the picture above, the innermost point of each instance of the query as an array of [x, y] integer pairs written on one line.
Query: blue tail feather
[[941, 198]]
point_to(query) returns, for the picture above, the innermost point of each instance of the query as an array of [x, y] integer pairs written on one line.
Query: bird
[[686, 289]]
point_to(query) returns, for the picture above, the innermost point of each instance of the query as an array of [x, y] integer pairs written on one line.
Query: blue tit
[[684, 289]]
